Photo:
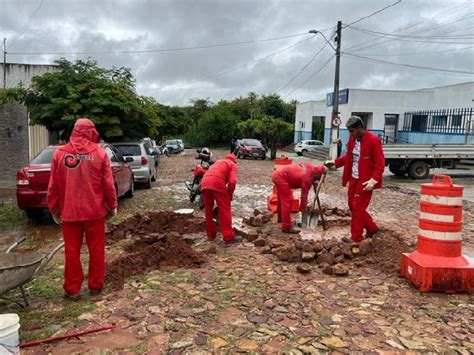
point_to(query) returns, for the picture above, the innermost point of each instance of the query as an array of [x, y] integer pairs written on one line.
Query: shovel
[[310, 218]]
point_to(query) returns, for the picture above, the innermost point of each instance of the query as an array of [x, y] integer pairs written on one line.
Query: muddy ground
[[169, 290]]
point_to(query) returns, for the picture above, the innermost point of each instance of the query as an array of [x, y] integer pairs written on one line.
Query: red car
[[32, 180], [251, 148]]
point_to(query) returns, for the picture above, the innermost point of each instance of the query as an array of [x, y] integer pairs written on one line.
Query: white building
[[435, 115]]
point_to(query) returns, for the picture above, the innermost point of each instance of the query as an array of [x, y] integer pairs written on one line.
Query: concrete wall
[[25, 141], [23, 73], [14, 142], [432, 138]]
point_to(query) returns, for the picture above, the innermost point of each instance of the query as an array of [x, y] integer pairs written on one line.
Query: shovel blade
[[310, 219]]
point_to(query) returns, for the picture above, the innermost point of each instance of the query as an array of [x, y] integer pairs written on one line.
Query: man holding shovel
[[295, 176], [81, 194], [363, 169]]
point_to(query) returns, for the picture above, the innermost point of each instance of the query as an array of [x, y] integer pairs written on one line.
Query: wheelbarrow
[[18, 269]]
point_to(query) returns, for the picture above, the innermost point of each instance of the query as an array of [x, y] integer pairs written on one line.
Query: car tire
[[131, 190], [299, 154], [153, 175], [395, 170], [148, 183], [304, 151], [34, 213], [419, 170], [264, 157]]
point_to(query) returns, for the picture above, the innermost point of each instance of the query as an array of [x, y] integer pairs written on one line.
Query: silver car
[[174, 145], [143, 164]]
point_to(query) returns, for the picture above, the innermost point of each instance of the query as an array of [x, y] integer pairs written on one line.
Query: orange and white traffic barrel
[[440, 223], [438, 263]]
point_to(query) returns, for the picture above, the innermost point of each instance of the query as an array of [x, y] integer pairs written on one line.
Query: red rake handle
[[71, 335], [441, 179]]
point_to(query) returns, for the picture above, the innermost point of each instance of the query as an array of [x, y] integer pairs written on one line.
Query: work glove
[[57, 218], [329, 163], [112, 212], [369, 184]]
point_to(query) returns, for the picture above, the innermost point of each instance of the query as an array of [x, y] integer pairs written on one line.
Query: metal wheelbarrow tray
[[18, 269]]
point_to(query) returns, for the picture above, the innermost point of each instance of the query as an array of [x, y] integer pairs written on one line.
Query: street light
[[322, 34]]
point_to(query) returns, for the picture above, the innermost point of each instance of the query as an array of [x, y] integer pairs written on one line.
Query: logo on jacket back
[[73, 161]]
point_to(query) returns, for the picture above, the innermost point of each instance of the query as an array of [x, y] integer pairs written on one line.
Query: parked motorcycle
[[205, 157], [164, 150]]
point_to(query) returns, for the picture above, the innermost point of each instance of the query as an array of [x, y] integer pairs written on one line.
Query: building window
[[457, 120], [301, 124], [418, 123], [440, 121]]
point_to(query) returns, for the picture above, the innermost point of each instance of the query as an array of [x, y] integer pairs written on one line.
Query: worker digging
[[295, 176]]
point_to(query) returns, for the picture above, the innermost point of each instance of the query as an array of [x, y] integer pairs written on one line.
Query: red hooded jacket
[[298, 176], [221, 176], [81, 186], [371, 160]]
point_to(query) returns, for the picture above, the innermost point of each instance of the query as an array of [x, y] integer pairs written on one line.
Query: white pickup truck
[[416, 160]]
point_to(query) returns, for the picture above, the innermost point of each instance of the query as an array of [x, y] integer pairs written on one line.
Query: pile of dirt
[[388, 248], [154, 240], [151, 253], [335, 257], [156, 222]]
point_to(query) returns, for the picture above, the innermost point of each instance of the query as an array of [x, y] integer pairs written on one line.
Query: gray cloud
[[177, 77]]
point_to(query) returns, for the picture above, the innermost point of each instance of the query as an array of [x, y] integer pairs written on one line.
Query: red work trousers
[[285, 200], [225, 214], [73, 233], [359, 201]]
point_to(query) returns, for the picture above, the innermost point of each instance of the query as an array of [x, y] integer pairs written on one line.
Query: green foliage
[[107, 96], [83, 89], [272, 131], [11, 218], [267, 117], [216, 126]]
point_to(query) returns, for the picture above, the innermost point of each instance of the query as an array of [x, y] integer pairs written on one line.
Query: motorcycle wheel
[[201, 202]]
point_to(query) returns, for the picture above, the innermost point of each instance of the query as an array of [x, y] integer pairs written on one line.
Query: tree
[[272, 131], [217, 126], [83, 89]]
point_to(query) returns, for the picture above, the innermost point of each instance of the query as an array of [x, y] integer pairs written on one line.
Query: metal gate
[[390, 128], [470, 128]]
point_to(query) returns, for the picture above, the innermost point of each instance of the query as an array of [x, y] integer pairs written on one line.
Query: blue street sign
[[343, 97]]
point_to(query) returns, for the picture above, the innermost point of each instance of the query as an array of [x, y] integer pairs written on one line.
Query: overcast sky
[[430, 33]]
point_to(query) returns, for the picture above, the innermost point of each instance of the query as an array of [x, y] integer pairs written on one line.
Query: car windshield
[[170, 142], [44, 157], [129, 150], [251, 142]]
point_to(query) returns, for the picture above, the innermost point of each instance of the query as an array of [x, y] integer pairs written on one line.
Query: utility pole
[[335, 97], [4, 63]]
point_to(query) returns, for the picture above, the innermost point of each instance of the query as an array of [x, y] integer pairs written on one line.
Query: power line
[[159, 50], [415, 53], [311, 77], [361, 46], [374, 13], [394, 36], [214, 76], [372, 60], [303, 68], [27, 24], [415, 24]]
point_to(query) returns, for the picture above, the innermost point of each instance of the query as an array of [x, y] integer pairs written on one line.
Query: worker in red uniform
[[81, 194], [363, 164], [295, 176], [218, 184]]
